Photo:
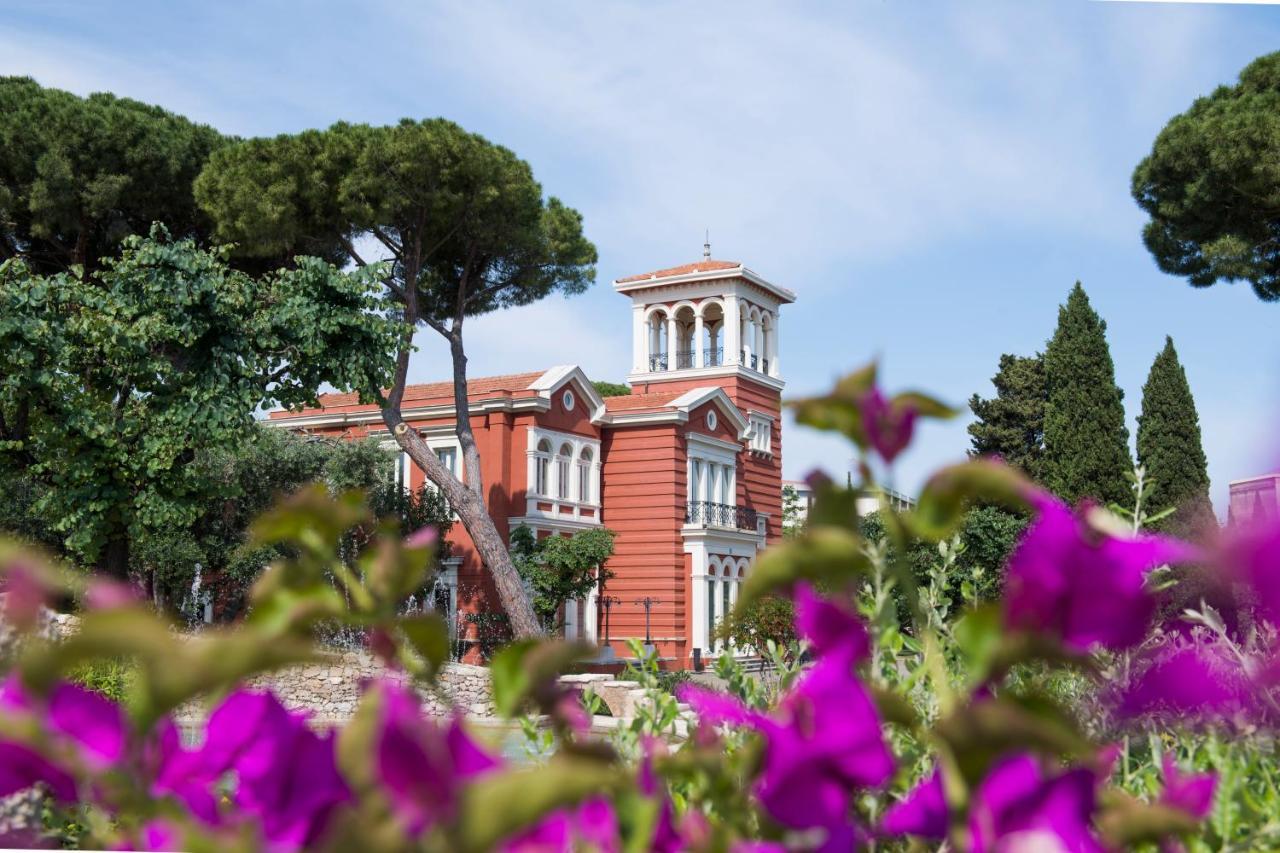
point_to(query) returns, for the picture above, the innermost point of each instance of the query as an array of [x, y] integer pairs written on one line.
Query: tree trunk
[[115, 557], [475, 518]]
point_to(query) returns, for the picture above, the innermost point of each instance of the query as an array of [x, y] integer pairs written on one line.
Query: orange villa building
[[686, 469]]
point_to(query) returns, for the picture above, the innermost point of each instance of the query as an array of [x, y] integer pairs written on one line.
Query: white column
[[672, 342], [639, 339], [732, 325], [698, 599], [591, 616], [571, 619], [759, 347], [773, 347], [748, 340], [595, 483], [697, 340]]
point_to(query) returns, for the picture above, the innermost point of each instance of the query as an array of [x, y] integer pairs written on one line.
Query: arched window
[[542, 469], [584, 476], [563, 461]]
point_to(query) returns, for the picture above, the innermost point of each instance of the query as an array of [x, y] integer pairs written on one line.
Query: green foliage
[[612, 389], [1011, 424], [1085, 437], [115, 384], [559, 569], [79, 174], [791, 521], [1169, 447], [769, 619], [1210, 187], [464, 218], [108, 676]]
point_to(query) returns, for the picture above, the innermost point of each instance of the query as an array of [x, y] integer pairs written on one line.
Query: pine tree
[[1169, 447], [1086, 441], [1011, 424]]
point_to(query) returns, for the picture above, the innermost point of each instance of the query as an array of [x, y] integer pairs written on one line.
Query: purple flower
[[25, 592], [591, 826], [422, 766], [21, 767], [286, 775], [1083, 586], [832, 628], [1196, 680], [1252, 554], [1015, 807], [94, 724], [888, 425], [1191, 793], [823, 741]]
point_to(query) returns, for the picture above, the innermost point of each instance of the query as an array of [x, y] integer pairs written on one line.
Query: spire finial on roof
[[706, 247]]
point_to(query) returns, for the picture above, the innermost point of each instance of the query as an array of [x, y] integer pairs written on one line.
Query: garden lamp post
[[607, 602], [649, 603]]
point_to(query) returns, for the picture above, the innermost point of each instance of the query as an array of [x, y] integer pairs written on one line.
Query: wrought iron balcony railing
[[684, 359], [752, 361], [709, 514], [657, 362], [713, 357]]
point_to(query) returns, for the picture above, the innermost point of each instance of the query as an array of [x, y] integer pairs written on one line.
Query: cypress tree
[[1086, 442], [1169, 447], [1011, 424]]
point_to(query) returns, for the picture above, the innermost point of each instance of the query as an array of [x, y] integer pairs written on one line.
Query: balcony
[[684, 359], [708, 514], [713, 357], [657, 362]]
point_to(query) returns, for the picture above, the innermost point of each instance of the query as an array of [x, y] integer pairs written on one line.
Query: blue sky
[[930, 177]]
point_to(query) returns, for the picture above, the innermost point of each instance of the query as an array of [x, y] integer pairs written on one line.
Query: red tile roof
[[654, 400], [507, 385], [684, 269]]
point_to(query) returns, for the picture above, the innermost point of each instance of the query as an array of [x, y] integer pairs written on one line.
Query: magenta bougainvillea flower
[[421, 764], [1196, 679], [1251, 554], [888, 427], [1083, 586], [286, 775], [21, 767], [823, 742], [1191, 793], [1017, 806], [591, 826], [94, 724], [830, 627]]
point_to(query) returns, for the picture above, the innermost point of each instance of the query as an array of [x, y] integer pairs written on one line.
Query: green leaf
[[1126, 823], [497, 806], [941, 507], [987, 728], [526, 670], [429, 636], [822, 553]]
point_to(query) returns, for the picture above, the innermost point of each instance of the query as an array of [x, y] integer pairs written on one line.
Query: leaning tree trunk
[[115, 557], [476, 519]]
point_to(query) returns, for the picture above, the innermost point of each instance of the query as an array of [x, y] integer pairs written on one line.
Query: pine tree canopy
[[1169, 446], [1086, 441], [1011, 424]]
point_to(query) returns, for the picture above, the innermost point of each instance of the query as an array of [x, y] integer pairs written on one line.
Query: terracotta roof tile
[[684, 269], [654, 400], [509, 384]]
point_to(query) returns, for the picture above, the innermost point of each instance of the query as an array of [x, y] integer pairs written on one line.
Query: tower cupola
[[709, 318]]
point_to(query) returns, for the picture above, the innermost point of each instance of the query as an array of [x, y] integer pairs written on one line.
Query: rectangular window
[[448, 457], [695, 481], [562, 475], [541, 469], [761, 434], [711, 616], [584, 483]]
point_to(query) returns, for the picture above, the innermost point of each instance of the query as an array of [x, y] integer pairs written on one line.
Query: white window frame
[[572, 493], [720, 462], [761, 432]]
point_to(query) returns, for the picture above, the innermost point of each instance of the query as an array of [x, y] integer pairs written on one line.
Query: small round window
[[568, 401], [711, 420]]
